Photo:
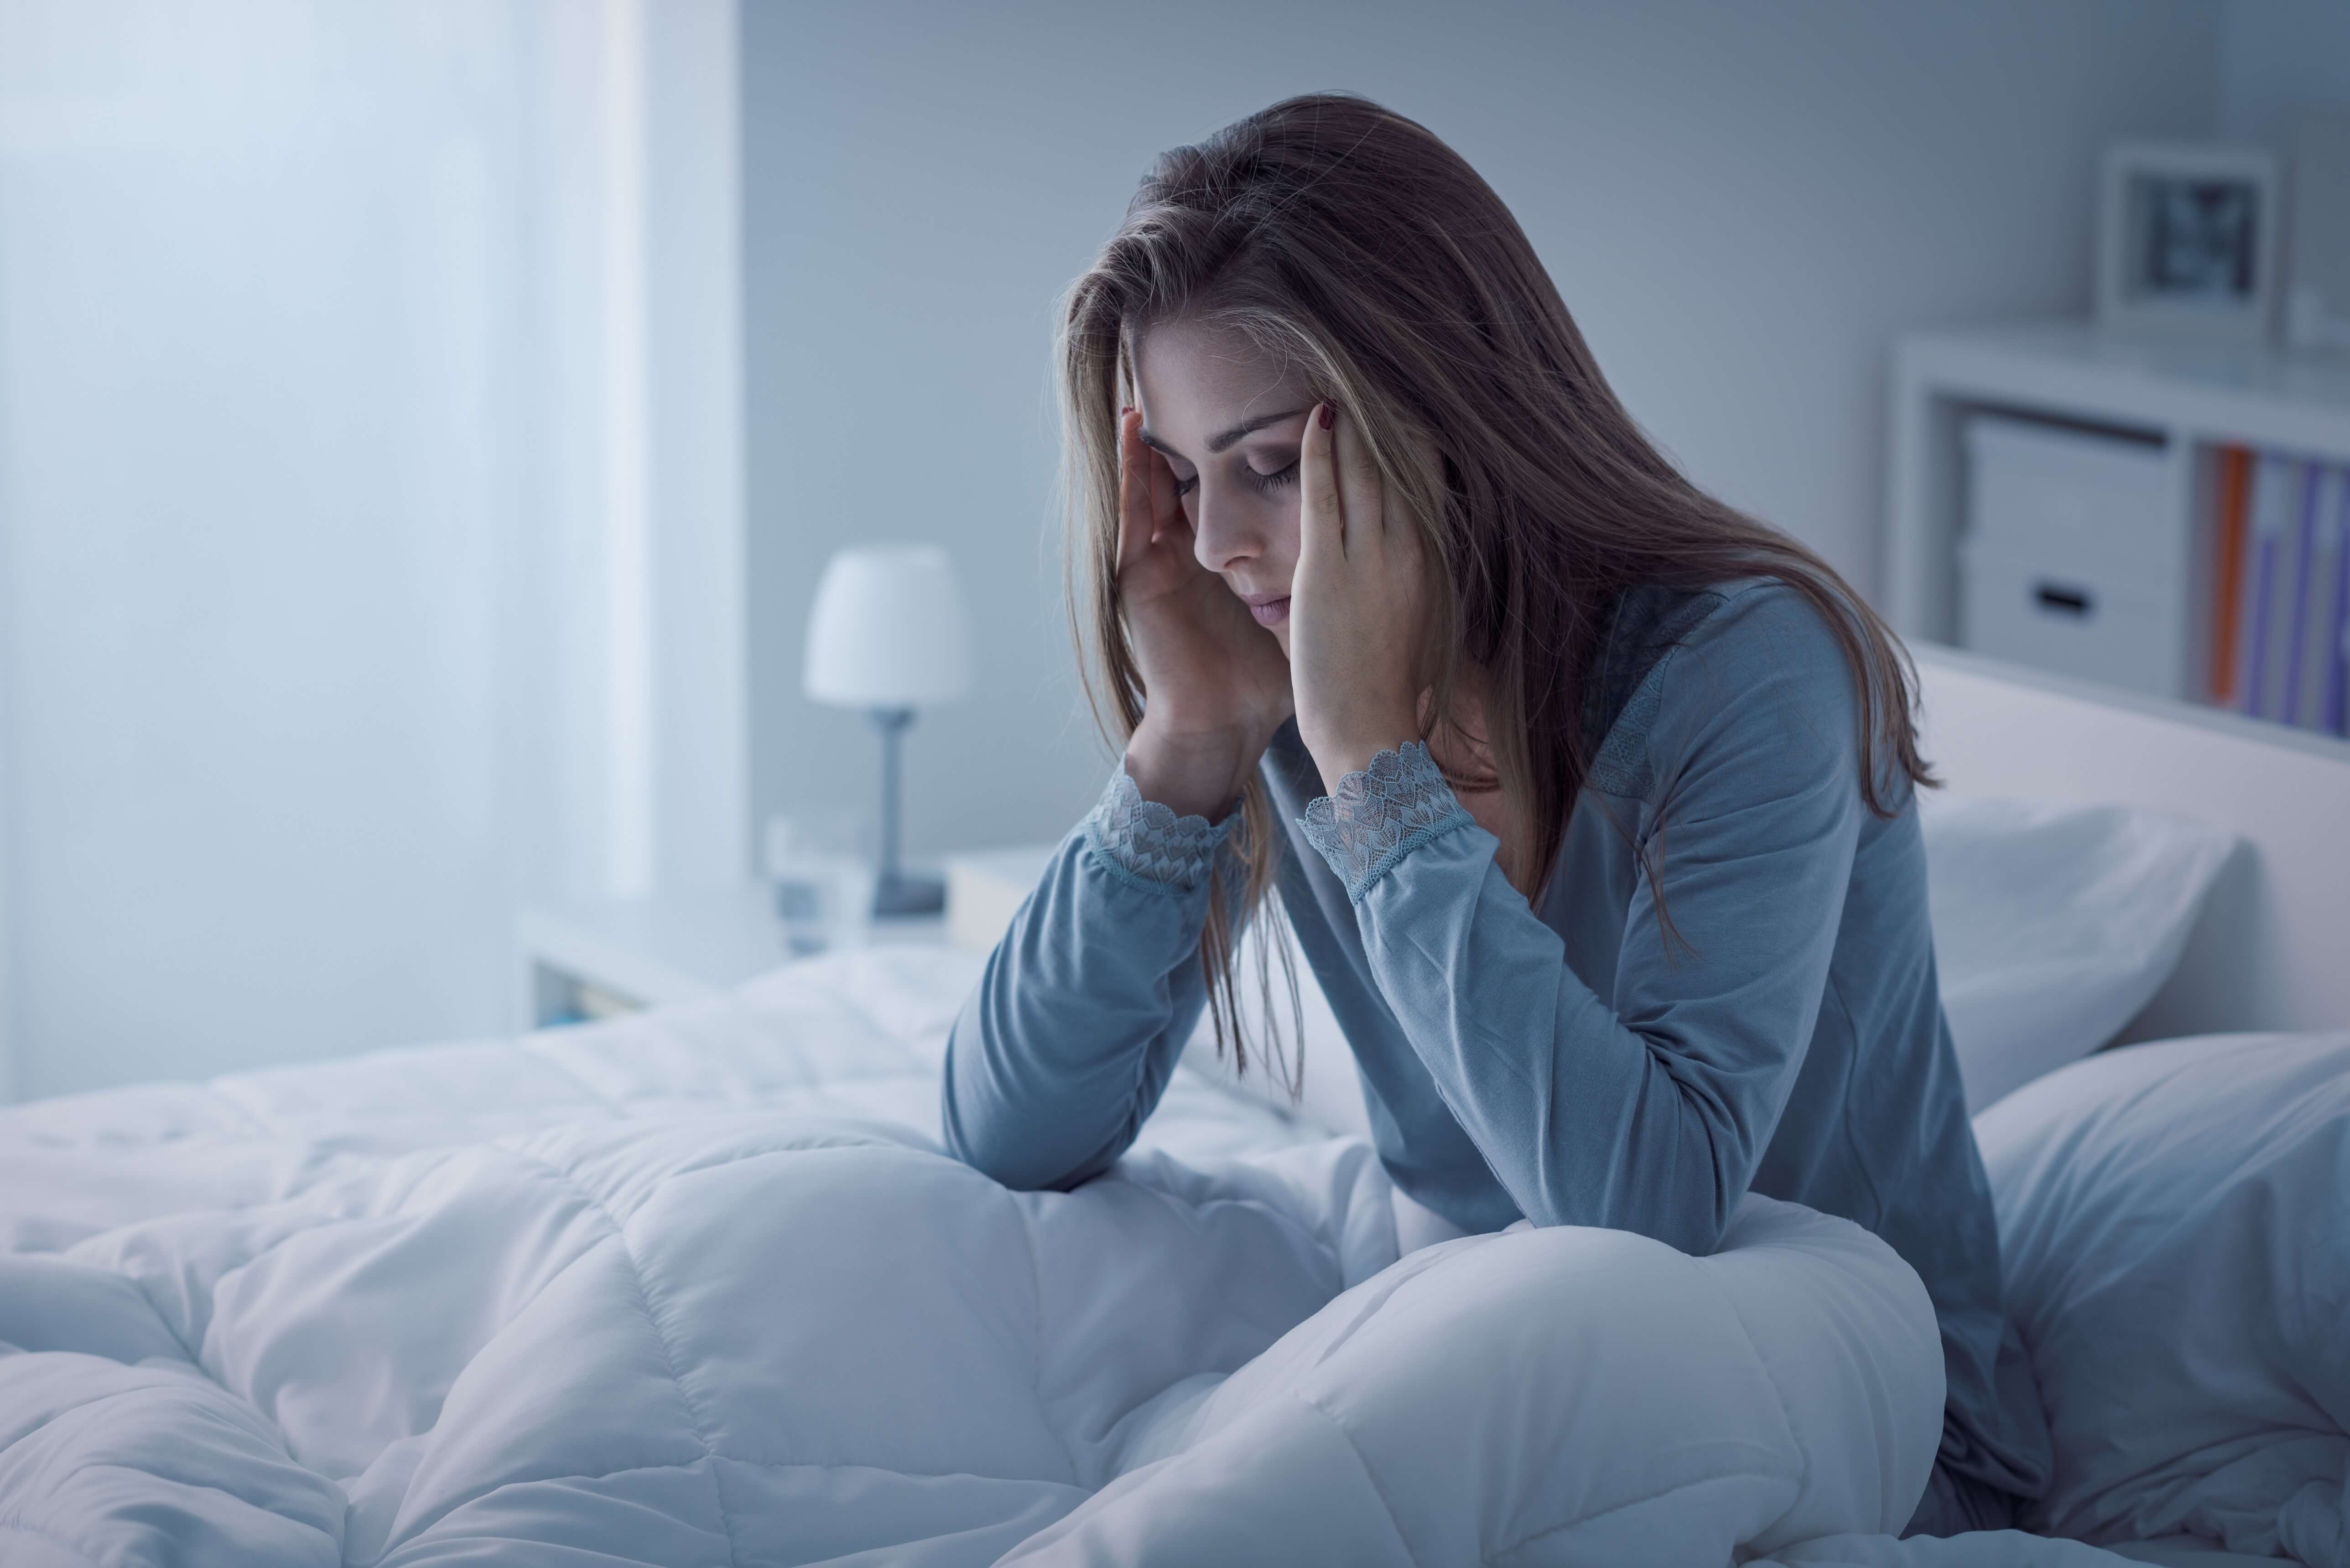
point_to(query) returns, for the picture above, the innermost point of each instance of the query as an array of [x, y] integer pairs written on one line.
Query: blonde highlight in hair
[[1358, 248]]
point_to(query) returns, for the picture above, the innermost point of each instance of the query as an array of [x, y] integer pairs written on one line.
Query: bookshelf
[[2188, 401]]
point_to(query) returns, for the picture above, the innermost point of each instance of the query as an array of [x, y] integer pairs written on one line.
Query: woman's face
[[1229, 418]]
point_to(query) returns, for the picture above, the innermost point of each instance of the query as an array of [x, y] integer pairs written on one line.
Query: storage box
[[2073, 558]]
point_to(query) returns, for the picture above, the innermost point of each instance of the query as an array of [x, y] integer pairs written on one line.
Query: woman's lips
[[1273, 612]]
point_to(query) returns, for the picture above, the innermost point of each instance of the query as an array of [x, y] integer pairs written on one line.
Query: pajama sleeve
[[1648, 1111], [1086, 1004]]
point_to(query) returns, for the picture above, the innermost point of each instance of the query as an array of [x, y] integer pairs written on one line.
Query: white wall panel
[[315, 347]]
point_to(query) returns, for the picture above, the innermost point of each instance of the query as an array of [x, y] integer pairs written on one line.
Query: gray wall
[[1741, 203], [2278, 58]]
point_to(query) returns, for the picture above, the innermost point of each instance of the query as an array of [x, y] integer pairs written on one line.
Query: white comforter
[[698, 1288]]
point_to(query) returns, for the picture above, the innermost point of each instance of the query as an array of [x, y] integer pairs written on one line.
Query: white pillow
[[2054, 924], [2176, 1251]]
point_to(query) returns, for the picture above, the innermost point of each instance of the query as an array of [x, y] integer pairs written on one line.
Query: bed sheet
[[699, 1287]]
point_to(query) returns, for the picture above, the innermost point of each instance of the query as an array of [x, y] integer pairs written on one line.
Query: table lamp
[[886, 636]]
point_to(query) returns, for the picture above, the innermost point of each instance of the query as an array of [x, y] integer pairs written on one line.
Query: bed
[[698, 1287]]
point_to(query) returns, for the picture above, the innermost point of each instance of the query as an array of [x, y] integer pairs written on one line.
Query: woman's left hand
[[1357, 605]]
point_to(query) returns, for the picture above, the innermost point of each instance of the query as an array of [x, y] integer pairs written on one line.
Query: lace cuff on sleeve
[[1146, 844], [1380, 815]]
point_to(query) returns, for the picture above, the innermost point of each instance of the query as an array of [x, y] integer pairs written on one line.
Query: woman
[[1616, 888]]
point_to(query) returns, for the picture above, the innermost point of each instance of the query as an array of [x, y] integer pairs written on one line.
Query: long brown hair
[[1352, 241]]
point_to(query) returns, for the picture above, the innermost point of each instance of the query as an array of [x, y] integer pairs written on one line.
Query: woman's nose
[[1221, 533]]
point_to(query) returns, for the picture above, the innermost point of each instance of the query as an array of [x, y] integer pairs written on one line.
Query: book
[[2262, 628], [2336, 640], [2228, 560], [2310, 686], [2296, 660]]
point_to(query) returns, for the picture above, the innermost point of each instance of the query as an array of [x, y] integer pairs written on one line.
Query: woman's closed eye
[[1265, 483], [1274, 481]]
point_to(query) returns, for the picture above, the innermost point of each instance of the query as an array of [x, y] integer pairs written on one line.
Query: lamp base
[[897, 894]]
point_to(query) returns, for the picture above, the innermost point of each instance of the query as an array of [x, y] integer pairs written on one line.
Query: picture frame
[[2187, 242], [2317, 239]]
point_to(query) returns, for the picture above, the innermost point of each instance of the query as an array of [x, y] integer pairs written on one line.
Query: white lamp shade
[[887, 629]]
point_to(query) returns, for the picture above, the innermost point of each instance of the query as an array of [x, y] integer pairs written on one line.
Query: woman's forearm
[[1085, 1007]]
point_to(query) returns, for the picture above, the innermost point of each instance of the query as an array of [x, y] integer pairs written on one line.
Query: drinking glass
[[823, 880]]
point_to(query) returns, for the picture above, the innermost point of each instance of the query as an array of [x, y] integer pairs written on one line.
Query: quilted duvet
[[698, 1287]]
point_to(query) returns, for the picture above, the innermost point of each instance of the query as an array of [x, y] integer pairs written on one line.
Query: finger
[[1321, 517], [1361, 497], [1165, 506], [1134, 528]]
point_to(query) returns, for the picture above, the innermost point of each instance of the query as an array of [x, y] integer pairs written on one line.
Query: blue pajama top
[[1569, 1061]]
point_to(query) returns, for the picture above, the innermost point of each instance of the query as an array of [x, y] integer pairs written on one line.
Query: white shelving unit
[[2187, 400]]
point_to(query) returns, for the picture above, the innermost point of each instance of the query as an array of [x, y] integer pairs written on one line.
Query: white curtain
[[370, 509]]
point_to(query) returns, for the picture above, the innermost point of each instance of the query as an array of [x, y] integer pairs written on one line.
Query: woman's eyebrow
[[1218, 442]]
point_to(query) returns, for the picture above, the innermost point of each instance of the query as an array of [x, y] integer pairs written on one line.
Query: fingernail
[[1329, 416]]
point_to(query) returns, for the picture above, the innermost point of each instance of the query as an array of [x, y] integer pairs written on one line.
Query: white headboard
[[2272, 949]]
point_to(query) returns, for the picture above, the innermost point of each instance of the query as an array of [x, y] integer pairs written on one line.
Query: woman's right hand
[[1215, 684]]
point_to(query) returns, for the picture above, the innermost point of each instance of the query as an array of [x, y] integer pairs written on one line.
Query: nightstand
[[985, 888], [582, 959]]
